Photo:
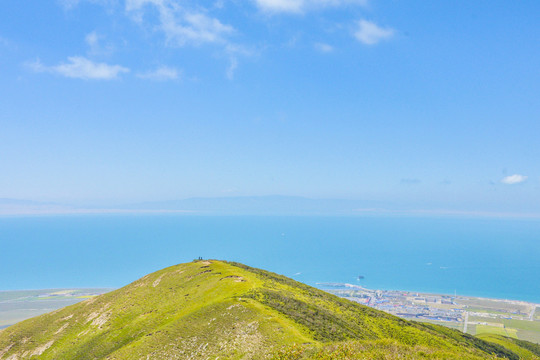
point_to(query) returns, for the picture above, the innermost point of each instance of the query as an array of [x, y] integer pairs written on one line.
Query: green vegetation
[[524, 349], [494, 306], [489, 311], [451, 325], [378, 349], [497, 330], [521, 329], [211, 309]]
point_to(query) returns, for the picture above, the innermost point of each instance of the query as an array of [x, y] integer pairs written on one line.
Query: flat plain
[[19, 305]]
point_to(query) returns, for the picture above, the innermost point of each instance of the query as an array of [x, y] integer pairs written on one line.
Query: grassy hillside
[[211, 309], [525, 349]]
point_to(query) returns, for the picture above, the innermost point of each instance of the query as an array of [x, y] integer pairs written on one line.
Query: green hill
[[214, 309]]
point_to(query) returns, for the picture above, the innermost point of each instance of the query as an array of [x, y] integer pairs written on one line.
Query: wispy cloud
[[78, 67], [162, 73], [3, 41], [370, 33], [68, 4], [187, 26], [180, 25], [300, 6], [71, 4], [233, 64], [290, 6], [514, 179], [324, 48], [233, 52], [93, 40]]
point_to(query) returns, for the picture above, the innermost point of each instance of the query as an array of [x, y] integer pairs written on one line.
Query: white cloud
[[71, 4], [162, 73], [233, 64], [180, 25], [324, 48], [93, 40], [514, 179], [68, 4], [184, 26], [233, 52], [79, 67], [300, 6], [370, 33], [290, 6]]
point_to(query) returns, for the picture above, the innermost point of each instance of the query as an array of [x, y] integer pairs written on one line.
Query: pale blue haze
[[434, 114], [344, 107], [478, 257]]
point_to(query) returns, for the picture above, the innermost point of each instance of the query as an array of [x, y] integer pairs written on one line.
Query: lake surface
[[471, 256]]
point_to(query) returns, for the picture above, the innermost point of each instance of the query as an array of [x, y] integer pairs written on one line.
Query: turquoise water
[[477, 257]]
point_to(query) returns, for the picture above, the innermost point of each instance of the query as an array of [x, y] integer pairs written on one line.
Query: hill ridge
[[212, 308]]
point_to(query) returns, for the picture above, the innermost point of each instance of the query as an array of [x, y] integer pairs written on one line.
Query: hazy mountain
[[22, 207], [266, 205]]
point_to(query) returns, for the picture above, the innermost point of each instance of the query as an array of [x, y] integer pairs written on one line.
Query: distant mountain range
[[255, 205], [23, 207], [250, 205]]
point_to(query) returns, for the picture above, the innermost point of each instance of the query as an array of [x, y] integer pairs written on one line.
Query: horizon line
[[351, 212]]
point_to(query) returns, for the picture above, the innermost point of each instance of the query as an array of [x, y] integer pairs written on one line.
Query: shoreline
[[473, 315], [429, 293]]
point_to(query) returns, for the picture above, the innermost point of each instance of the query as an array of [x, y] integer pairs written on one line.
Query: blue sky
[[430, 104]]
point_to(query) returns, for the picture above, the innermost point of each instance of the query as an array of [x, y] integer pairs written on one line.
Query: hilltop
[[211, 309]]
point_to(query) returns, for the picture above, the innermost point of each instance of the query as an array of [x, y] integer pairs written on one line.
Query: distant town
[[516, 319]]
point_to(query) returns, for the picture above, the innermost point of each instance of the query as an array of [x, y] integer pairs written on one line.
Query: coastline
[[474, 315]]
